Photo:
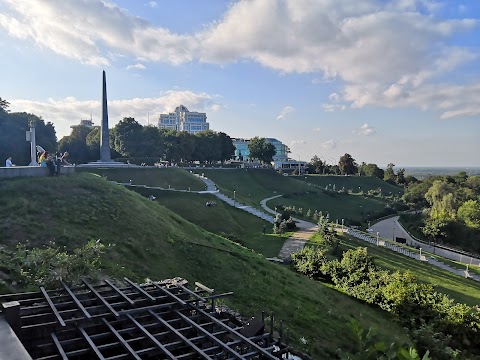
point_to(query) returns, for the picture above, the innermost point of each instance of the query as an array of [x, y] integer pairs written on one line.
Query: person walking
[[8, 162]]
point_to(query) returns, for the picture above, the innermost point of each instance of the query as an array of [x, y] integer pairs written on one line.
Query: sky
[[385, 81]]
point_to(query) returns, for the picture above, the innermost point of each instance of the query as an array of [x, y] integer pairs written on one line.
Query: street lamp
[[342, 224], [393, 233], [369, 224], [420, 253], [377, 237]]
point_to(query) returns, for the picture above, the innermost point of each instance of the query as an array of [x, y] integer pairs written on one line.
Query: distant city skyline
[[385, 81]]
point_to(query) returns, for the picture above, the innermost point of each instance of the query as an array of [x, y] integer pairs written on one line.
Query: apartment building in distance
[[184, 120]]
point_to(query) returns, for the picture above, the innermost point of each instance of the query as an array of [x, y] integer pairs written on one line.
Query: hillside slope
[[253, 185], [151, 241]]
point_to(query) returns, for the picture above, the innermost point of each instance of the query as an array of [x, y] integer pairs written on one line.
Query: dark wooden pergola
[[158, 320]]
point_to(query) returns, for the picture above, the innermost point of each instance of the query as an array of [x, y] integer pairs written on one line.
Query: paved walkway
[[298, 240], [390, 229]]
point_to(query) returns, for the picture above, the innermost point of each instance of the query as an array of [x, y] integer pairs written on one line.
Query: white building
[[183, 120]]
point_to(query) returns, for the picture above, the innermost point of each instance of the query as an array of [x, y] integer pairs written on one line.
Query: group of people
[[53, 161]]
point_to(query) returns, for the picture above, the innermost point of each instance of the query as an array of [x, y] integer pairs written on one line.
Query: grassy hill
[[253, 185], [222, 219], [353, 183], [151, 241], [158, 177]]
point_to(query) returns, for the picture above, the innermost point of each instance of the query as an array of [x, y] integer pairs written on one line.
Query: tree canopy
[[347, 165], [261, 149]]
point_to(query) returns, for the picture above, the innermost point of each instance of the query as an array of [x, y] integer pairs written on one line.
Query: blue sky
[[386, 81]]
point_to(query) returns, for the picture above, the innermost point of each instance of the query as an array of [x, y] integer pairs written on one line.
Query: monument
[[104, 134], [105, 158]]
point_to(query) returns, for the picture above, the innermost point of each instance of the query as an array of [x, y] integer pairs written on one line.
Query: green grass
[[152, 241], [354, 183], [462, 290], [222, 219], [165, 177], [253, 185]]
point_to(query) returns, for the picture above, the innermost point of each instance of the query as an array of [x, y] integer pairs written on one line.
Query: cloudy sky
[[386, 81]]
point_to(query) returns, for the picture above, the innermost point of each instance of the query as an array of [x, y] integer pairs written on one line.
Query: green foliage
[[50, 265], [12, 136], [261, 149], [310, 261], [389, 174], [469, 213], [367, 346], [347, 165], [399, 293]]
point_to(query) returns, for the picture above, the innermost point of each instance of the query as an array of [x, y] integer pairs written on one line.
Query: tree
[[373, 170], [76, 145], [128, 138], [400, 177], [469, 213], [261, 149], [4, 105], [389, 175], [316, 166], [12, 136], [440, 197], [347, 165]]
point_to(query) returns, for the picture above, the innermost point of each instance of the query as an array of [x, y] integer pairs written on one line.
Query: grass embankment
[[222, 219], [158, 177], [462, 290], [151, 241], [253, 185], [355, 184]]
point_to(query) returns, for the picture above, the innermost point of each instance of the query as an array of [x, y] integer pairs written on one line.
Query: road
[[390, 229]]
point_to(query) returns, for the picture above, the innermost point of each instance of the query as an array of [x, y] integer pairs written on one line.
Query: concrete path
[[212, 188], [390, 229], [298, 240]]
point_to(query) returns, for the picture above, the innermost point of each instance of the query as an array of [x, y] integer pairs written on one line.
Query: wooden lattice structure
[[165, 320]]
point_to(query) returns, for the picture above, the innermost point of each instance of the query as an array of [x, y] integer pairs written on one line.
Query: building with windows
[[86, 123], [184, 120], [243, 154]]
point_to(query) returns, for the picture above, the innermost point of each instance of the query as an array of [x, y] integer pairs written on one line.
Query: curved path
[[390, 229], [297, 241]]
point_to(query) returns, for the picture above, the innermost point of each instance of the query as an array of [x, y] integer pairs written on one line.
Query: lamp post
[[342, 224], [393, 233], [377, 237], [369, 225], [420, 253], [234, 192]]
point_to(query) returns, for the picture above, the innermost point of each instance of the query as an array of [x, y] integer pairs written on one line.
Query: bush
[[50, 266]]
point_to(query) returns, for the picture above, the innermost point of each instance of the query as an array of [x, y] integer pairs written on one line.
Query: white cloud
[[298, 142], [365, 130], [379, 50], [68, 111], [328, 145], [152, 4], [285, 111], [137, 66], [317, 129]]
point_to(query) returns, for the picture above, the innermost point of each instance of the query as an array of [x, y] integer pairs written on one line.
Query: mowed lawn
[[253, 185], [174, 178], [355, 184], [221, 219], [462, 290]]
